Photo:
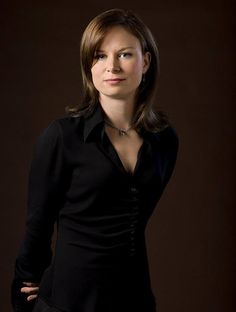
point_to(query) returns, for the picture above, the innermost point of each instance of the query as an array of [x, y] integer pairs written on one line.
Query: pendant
[[122, 132]]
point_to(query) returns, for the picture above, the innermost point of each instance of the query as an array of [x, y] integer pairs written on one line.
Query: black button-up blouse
[[101, 210]]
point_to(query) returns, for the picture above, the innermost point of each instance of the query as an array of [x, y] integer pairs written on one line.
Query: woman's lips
[[114, 81]]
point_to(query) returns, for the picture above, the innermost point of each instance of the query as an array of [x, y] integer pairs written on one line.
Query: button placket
[[133, 191], [133, 222]]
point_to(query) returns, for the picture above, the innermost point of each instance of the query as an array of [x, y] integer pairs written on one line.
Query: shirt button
[[133, 189]]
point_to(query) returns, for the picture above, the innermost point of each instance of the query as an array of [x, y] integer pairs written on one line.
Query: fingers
[[30, 284], [31, 290], [32, 297]]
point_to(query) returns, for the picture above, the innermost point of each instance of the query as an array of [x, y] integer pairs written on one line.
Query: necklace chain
[[120, 130]]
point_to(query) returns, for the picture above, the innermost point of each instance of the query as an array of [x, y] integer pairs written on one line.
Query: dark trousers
[[42, 306]]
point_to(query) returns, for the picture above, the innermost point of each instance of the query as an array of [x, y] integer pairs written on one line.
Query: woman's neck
[[118, 112]]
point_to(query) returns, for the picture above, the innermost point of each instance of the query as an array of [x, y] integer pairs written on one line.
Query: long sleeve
[[170, 147], [45, 197]]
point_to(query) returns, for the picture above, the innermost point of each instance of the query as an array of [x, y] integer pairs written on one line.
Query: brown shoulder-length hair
[[145, 116]]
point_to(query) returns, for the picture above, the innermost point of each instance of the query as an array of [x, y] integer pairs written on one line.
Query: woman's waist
[[94, 254], [102, 241]]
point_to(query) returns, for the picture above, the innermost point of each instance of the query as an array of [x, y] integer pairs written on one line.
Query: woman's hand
[[31, 289]]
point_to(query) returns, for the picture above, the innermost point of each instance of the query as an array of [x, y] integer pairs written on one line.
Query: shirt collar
[[92, 120], [95, 119]]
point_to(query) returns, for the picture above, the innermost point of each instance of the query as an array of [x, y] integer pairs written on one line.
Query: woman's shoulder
[[62, 126], [168, 135]]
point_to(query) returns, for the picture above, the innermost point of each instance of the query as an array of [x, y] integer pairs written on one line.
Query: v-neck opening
[[132, 173], [128, 172]]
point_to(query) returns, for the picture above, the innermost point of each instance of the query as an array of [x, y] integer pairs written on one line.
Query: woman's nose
[[113, 65]]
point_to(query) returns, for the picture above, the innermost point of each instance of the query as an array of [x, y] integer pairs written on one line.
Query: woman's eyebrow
[[99, 50], [126, 48]]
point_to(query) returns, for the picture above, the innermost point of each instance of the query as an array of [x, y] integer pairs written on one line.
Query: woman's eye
[[125, 54], [99, 56]]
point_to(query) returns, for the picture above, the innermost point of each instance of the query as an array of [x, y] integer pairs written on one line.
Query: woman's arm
[[170, 148], [45, 197]]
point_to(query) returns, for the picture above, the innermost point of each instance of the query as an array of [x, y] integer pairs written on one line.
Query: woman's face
[[119, 65]]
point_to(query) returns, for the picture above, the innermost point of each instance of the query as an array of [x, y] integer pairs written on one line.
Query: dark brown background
[[191, 235]]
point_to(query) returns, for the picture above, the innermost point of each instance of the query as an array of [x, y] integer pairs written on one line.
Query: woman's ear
[[146, 61]]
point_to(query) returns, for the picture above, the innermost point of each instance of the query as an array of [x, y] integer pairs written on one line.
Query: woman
[[98, 172]]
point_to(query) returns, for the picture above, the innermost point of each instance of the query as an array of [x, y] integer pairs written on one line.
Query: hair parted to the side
[[145, 116]]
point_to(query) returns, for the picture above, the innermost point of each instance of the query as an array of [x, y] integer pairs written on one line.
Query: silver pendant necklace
[[121, 131]]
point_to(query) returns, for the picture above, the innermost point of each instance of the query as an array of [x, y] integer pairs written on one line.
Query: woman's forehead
[[120, 37]]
